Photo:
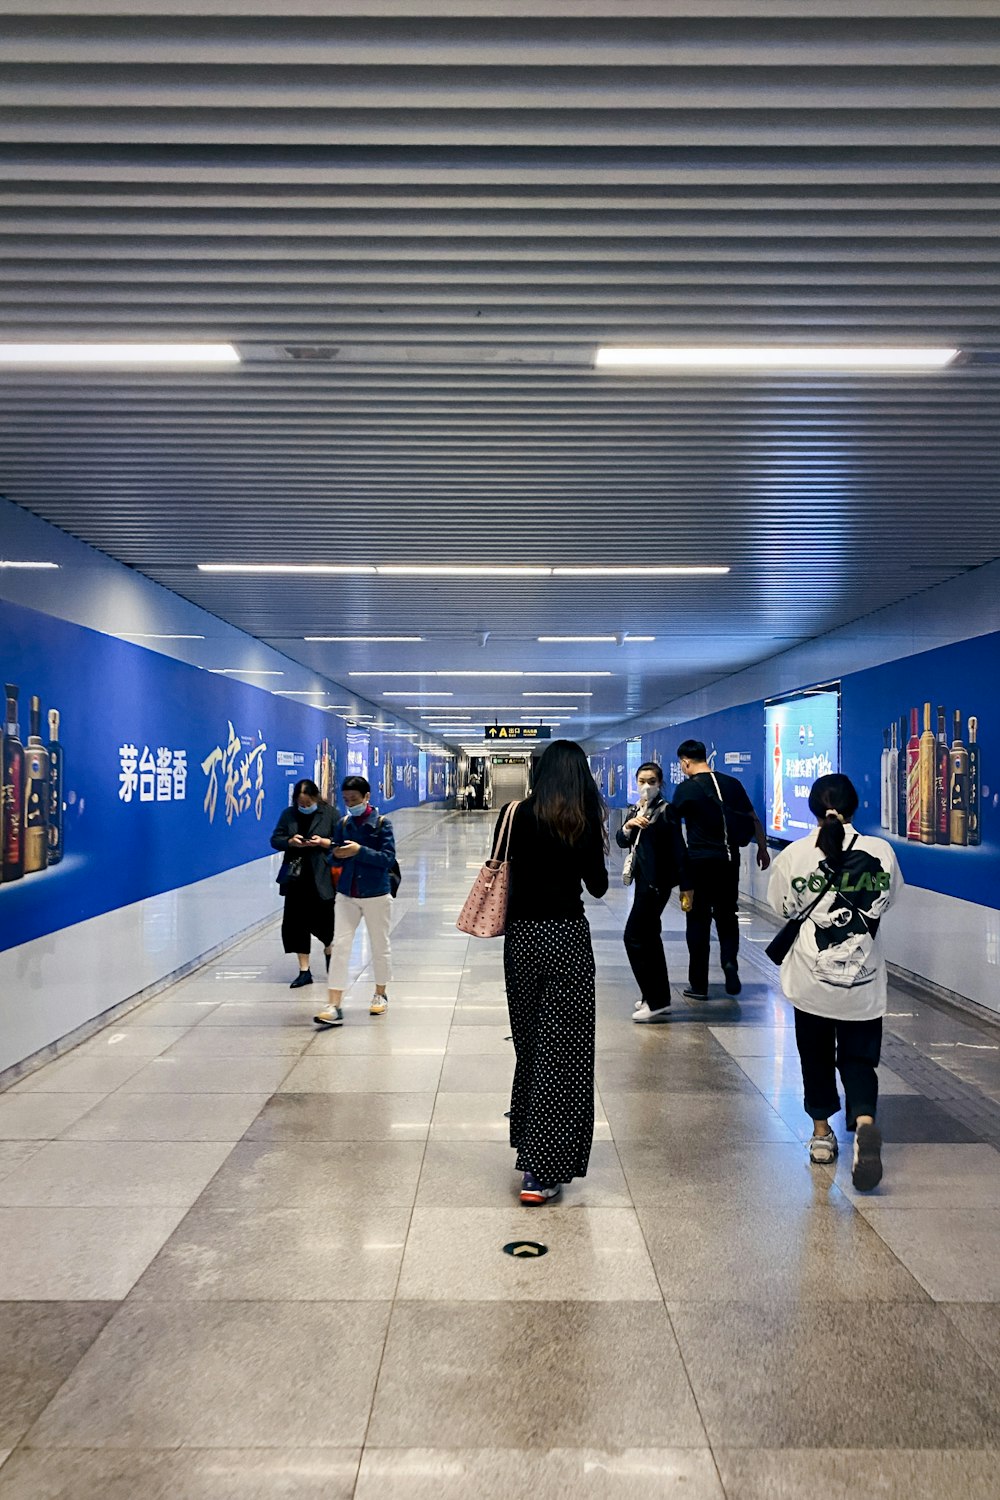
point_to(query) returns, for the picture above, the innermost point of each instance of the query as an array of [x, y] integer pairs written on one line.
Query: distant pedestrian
[[835, 972], [650, 832], [304, 834]]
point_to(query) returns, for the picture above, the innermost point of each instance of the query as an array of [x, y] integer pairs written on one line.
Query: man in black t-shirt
[[716, 813]]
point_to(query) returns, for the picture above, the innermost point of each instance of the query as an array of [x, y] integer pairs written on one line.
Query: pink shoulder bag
[[485, 911]]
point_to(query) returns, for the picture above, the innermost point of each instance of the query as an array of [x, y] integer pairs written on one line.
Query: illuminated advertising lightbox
[[633, 759], [802, 743]]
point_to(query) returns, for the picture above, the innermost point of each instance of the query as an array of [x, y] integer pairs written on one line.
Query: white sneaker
[[643, 1013], [823, 1150], [379, 1005], [332, 1016]]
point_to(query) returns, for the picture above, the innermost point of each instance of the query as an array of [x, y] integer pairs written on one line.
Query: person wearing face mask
[[305, 834], [651, 832], [365, 851]]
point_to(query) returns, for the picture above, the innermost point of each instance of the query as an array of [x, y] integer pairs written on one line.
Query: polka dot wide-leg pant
[[549, 971]]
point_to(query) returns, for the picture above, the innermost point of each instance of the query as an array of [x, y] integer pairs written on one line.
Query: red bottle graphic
[[778, 818], [913, 780]]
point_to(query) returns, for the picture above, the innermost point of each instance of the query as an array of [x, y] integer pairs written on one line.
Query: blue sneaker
[[535, 1193]]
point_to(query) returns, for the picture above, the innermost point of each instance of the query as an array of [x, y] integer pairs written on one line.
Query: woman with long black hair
[[842, 883], [304, 835], [558, 843]]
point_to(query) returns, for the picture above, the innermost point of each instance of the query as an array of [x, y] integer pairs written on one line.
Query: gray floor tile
[[344, 1254], [493, 1040], [241, 1041], [170, 1011], [209, 1075], [344, 1117], [595, 1254], [478, 1174], [319, 1174], [980, 1323], [900, 1373], [475, 1073], [953, 1252], [469, 1012], [42, 1117], [930, 1176], [843, 1474], [517, 1474], [40, 1344], [370, 1039], [815, 1253], [757, 1041], [168, 1117], [364, 1074], [70, 1254], [651, 1116], [125, 1040], [222, 1375], [292, 1015], [183, 1474], [76, 1074], [114, 1174], [601, 1374], [480, 1117], [677, 1172], [919, 1119], [13, 1153], [685, 1073]]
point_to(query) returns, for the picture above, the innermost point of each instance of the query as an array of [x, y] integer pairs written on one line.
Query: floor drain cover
[[525, 1249]]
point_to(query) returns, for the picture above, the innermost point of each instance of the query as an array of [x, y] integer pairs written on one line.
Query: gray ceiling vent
[[312, 352]]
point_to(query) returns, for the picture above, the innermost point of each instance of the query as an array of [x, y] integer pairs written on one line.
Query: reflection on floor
[[238, 1259]]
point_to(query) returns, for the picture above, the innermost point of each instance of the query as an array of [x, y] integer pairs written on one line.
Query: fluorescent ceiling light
[[579, 638], [118, 354], [480, 674], [303, 693], [362, 637], [244, 672], [145, 635], [773, 357], [414, 693], [625, 570], [558, 693], [462, 570], [630, 638], [321, 569], [12, 564]]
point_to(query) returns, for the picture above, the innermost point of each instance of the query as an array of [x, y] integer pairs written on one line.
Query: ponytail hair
[[833, 802]]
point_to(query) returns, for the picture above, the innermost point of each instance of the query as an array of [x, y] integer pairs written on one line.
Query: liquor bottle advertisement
[[932, 721], [126, 773], [803, 743]]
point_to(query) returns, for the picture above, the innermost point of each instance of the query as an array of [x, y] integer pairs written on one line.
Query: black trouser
[[715, 883], [644, 945], [306, 915], [852, 1048]]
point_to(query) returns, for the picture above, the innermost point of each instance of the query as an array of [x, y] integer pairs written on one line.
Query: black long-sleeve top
[[547, 875], [661, 847]]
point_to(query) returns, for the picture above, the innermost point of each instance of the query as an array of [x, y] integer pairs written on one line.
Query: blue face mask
[[308, 810], [358, 812]]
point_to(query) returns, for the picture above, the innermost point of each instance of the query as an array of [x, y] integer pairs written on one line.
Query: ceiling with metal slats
[[417, 220]]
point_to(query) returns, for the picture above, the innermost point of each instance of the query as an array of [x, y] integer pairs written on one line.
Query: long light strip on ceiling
[[556, 693], [751, 357], [12, 563], [145, 635], [244, 672], [118, 354], [460, 570], [481, 674], [369, 638]]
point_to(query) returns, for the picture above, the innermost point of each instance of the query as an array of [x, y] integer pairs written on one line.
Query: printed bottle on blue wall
[[975, 811], [892, 789], [942, 781], [55, 790], [13, 791], [36, 794], [959, 785]]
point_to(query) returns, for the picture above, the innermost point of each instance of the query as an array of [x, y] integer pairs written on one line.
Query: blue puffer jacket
[[367, 874]]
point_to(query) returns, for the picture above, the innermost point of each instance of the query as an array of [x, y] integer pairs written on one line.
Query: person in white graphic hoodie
[[841, 883]]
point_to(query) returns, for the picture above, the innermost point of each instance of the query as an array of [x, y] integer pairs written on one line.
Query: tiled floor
[[240, 1260]]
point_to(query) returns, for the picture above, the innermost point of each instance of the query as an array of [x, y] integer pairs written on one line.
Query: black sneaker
[[732, 973], [867, 1170], [690, 994], [304, 978], [535, 1193]]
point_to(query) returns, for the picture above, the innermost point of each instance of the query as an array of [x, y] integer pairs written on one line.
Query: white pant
[[376, 912]]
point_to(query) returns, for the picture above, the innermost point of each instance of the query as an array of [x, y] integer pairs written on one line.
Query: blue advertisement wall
[[962, 678], [154, 775]]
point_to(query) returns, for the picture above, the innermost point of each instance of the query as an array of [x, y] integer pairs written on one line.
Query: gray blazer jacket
[[324, 824]]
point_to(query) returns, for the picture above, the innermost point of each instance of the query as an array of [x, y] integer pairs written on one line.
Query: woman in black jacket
[[651, 831], [305, 836], [558, 842]]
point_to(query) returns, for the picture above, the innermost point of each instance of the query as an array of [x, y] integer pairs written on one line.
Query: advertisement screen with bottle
[[802, 735], [921, 745]]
